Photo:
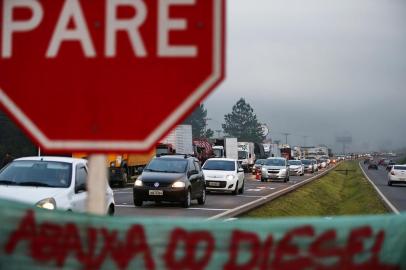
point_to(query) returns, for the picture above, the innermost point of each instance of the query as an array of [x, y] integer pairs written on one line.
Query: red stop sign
[[107, 75]]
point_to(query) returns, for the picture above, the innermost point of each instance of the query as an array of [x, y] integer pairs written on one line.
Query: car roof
[[53, 158], [222, 159], [276, 158]]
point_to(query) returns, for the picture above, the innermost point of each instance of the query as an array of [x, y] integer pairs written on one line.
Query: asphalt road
[[395, 194], [216, 203]]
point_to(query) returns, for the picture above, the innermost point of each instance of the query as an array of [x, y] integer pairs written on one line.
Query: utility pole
[[286, 137]]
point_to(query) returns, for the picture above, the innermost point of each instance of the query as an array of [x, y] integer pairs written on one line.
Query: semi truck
[[178, 141], [203, 149], [226, 148], [246, 155]]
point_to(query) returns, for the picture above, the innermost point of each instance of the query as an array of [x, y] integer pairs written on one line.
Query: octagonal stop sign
[[107, 75]]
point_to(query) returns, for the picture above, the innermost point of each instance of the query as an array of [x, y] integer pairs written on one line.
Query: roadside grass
[[332, 195]]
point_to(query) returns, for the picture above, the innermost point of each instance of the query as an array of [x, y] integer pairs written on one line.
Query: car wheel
[[138, 202], [263, 179], [186, 203], [241, 190], [202, 198], [110, 212], [235, 191], [124, 180]]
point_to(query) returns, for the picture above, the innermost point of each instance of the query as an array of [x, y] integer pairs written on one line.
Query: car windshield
[[402, 168], [219, 165], [260, 161], [167, 165], [275, 162], [242, 155], [37, 173], [217, 152], [295, 162], [306, 162]]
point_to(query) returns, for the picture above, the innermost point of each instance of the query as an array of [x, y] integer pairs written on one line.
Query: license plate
[[156, 192], [214, 184]]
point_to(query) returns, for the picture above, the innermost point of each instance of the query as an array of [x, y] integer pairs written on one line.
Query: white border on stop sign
[[157, 133]]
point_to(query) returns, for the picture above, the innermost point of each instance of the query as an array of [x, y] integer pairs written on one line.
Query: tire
[[124, 180], [235, 191], [202, 198], [187, 201], [263, 179], [241, 190], [111, 210], [138, 202]]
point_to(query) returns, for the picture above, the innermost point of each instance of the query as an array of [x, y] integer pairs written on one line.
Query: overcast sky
[[321, 68]]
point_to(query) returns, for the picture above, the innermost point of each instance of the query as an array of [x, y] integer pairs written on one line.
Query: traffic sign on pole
[[108, 75]]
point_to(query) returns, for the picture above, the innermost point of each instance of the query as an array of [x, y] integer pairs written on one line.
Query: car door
[[240, 174], [200, 180], [80, 191], [193, 178]]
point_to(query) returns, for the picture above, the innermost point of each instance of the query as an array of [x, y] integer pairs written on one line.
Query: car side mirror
[[80, 188], [240, 170], [140, 170], [193, 172]]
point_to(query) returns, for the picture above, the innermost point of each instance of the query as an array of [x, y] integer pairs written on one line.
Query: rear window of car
[[219, 165], [37, 173], [295, 162], [402, 168]]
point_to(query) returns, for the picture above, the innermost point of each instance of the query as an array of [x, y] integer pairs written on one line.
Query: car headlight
[[283, 170], [230, 177], [263, 170], [178, 184], [48, 203], [138, 183]]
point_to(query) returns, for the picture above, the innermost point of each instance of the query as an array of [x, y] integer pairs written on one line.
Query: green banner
[[39, 239]]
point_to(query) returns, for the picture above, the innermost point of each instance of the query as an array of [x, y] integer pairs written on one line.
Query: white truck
[[226, 148], [179, 141], [246, 155]]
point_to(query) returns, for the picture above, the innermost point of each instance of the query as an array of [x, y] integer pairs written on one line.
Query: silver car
[[275, 168]]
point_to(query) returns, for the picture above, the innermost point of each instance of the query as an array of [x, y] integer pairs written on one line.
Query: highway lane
[[396, 194], [216, 203]]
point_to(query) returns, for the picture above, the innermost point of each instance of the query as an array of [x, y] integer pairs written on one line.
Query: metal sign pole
[[97, 184]]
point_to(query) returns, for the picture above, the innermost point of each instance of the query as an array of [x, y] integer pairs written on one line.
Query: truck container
[[226, 148], [178, 141]]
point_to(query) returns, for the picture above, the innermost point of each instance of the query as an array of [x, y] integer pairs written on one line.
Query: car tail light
[[392, 173]]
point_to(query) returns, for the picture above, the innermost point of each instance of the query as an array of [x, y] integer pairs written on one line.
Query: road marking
[[393, 208], [254, 189], [249, 196]]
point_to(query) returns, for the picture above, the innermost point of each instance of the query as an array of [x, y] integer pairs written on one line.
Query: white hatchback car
[[224, 174], [50, 183], [397, 174]]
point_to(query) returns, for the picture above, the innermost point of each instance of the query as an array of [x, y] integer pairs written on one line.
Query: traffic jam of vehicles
[[179, 170]]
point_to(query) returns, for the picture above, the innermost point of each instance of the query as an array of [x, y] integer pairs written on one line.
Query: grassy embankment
[[334, 194]]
